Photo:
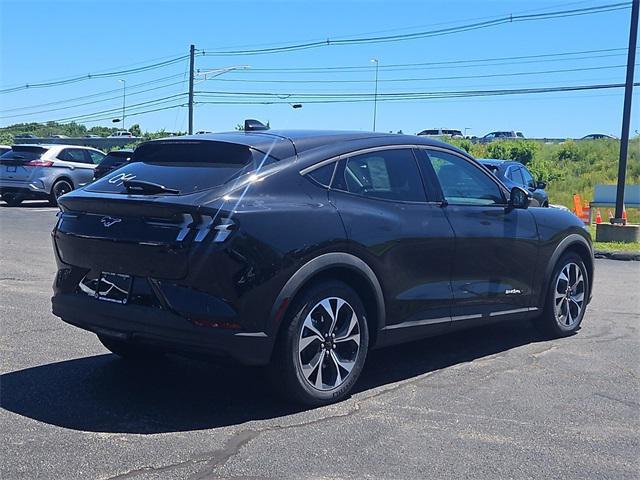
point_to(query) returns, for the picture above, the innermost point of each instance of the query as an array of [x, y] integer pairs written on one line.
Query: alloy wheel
[[569, 296], [61, 188], [329, 343]]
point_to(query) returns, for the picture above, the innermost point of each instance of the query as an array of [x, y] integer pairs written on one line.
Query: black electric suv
[[302, 250]]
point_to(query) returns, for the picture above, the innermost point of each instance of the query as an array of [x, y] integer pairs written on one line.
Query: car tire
[[130, 351], [322, 346], [567, 298], [12, 199], [59, 188]]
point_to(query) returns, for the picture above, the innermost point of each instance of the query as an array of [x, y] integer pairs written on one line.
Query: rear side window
[[463, 183], [324, 174], [386, 174], [75, 155]]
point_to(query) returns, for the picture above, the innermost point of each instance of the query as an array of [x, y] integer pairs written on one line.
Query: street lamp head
[[122, 80], [374, 60], [296, 105]]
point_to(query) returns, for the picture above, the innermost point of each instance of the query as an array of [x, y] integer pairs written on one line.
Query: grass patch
[[613, 246]]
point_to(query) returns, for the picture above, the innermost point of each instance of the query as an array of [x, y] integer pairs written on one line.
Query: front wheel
[[322, 349], [566, 300]]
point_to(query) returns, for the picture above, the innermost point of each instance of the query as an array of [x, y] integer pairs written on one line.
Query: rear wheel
[[12, 199], [566, 300], [322, 349], [59, 188], [130, 351]]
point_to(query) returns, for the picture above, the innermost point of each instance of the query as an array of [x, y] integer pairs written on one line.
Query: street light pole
[[124, 99], [375, 95], [626, 114]]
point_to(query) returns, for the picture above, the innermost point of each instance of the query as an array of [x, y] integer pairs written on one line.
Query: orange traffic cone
[[624, 215], [610, 215], [598, 217]]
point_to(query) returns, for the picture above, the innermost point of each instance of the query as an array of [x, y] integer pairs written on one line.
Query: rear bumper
[[152, 326], [27, 189]]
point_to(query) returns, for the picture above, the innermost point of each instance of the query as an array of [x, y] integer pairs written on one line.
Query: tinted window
[[528, 178], [515, 174], [430, 132], [463, 183], [96, 157], [323, 174], [73, 155], [387, 174]]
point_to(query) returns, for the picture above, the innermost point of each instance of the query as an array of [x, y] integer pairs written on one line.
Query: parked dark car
[[303, 250], [113, 160], [514, 174], [25, 135], [599, 136]]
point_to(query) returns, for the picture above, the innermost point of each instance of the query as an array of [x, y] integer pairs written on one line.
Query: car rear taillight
[[39, 163]]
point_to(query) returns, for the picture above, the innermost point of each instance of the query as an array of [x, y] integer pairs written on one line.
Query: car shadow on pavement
[[102, 393], [28, 204]]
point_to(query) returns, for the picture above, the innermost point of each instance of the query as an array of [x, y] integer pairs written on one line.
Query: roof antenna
[[251, 125]]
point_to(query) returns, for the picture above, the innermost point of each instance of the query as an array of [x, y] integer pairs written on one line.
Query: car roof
[[287, 143], [495, 162]]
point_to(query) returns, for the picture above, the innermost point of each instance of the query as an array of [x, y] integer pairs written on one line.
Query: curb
[[626, 256]]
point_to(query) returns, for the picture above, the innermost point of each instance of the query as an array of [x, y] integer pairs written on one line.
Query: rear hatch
[[21, 161], [144, 218]]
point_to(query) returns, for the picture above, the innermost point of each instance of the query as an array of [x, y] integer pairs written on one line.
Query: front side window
[[515, 174], [528, 178], [386, 174], [463, 183], [96, 157]]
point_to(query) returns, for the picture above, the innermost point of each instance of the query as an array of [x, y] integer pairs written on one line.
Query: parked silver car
[[45, 171]]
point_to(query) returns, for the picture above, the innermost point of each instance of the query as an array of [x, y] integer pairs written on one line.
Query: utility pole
[[375, 95], [626, 115], [192, 54]]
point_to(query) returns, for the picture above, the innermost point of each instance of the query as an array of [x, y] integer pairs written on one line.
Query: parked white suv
[[45, 171], [121, 133], [442, 132]]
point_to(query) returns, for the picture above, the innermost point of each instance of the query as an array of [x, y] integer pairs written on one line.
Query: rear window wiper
[[147, 188]]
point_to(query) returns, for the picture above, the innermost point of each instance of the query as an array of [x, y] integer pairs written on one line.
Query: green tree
[[135, 130]]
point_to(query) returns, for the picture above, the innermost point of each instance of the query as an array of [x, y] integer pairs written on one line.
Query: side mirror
[[541, 185], [519, 198]]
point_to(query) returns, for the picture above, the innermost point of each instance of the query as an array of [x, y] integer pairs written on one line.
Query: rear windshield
[[186, 166], [115, 158], [24, 153]]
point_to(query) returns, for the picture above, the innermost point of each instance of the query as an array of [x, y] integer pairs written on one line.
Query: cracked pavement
[[493, 402]]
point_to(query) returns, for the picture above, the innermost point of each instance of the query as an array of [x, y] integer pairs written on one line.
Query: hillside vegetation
[[568, 168]]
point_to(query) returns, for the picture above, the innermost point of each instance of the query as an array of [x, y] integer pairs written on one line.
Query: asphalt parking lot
[[497, 402]]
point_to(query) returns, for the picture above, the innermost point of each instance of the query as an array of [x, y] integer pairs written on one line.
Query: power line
[[366, 96], [427, 33], [118, 109], [94, 95], [90, 76], [343, 68], [395, 80], [69, 107]]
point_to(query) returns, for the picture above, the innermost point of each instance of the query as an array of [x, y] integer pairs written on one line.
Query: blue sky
[[43, 41]]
